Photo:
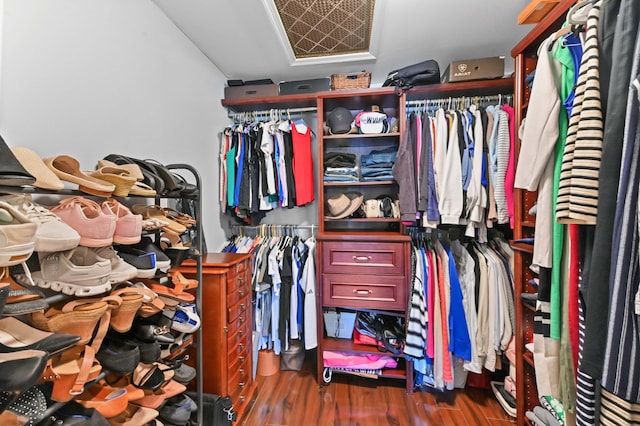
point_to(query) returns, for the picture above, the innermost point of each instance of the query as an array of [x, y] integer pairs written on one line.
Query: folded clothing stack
[[340, 167], [378, 165]]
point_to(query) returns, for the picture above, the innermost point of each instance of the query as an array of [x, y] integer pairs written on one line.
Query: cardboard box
[[251, 91], [312, 85], [474, 69]]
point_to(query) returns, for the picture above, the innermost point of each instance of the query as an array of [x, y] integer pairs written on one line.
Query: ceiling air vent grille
[[326, 27]]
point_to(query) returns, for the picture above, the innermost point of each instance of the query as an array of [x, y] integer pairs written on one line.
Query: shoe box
[[312, 85], [237, 89], [474, 69]]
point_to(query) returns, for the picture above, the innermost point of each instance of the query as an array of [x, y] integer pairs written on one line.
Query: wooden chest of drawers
[[226, 326], [363, 271]]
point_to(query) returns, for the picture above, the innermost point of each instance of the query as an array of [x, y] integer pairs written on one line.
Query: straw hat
[[343, 205], [31, 161]]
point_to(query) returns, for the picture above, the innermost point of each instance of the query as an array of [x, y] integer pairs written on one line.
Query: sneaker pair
[[17, 235], [100, 225], [145, 256], [82, 271], [183, 318], [52, 233]]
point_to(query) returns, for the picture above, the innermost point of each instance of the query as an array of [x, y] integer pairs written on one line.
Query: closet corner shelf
[[362, 183], [528, 306], [463, 88], [528, 358], [523, 247]]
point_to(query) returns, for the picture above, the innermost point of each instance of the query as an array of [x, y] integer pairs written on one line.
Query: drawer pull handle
[[242, 398], [362, 292], [243, 307], [241, 384], [241, 346], [241, 359], [241, 333], [361, 258], [241, 293]]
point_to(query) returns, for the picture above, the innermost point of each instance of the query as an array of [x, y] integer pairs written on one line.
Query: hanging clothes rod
[[272, 229], [456, 102], [273, 114]]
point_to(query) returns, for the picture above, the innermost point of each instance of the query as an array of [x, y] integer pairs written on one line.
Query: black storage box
[[251, 91], [312, 85]]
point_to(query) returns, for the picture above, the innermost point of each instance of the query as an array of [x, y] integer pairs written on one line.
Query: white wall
[[92, 77]]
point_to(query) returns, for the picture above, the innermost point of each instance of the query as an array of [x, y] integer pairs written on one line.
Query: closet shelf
[[528, 358], [271, 102], [361, 183], [347, 345], [523, 247], [529, 223], [363, 220], [362, 135], [463, 88]]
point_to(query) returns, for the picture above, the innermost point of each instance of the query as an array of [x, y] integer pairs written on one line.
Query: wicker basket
[[359, 80]]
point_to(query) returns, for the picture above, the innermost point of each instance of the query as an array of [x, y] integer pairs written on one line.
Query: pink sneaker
[[128, 225], [96, 228]]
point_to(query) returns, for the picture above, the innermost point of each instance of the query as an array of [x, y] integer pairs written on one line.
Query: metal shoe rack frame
[[197, 256]]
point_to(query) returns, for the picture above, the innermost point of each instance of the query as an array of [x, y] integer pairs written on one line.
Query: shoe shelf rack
[[194, 255]]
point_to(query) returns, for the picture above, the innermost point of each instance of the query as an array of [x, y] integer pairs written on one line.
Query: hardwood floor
[[291, 398]]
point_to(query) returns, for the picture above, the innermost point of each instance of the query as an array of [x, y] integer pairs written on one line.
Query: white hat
[[343, 205], [372, 122]]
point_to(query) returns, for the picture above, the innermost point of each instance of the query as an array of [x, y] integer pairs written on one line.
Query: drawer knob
[[241, 384], [241, 358], [242, 398], [243, 307], [241, 293], [361, 258], [362, 292]]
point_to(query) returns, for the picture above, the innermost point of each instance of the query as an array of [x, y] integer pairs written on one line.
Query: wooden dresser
[[227, 365]]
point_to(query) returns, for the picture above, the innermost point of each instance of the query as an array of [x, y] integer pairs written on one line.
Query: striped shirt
[[578, 192]]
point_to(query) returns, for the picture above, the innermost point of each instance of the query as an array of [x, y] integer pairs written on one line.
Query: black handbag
[[420, 74], [217, 411]]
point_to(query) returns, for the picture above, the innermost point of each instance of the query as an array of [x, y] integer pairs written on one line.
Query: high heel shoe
[[19, 371], [17, 336]]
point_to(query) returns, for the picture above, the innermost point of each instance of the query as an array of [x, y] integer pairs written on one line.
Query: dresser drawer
[[364, 291], [239, 336], [240, 383], [363, 258], [237, 357], [239, 293], [239, 281], [240, 321], [234, 311]]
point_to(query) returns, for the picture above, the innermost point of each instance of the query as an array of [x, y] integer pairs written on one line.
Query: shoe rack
[[195, 256]]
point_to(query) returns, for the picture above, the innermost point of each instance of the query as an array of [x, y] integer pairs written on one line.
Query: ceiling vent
[[317, 28]]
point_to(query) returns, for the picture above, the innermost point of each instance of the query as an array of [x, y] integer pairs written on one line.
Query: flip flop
[[68, 169]]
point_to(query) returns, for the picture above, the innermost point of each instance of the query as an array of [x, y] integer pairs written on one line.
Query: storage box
[[474, 69], [339, 323], [358, 80], [312, 85], [251, 91]]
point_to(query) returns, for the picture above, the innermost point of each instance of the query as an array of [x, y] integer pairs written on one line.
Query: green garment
[[560, 255], [231, 176]]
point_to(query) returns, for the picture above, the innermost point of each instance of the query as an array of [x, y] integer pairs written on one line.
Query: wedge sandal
[[70, 372]]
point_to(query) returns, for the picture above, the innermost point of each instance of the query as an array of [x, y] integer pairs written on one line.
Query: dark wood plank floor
[[294, 398]]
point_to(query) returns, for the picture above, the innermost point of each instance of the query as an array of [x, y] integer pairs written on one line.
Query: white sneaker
[[121, 271], [78, 272], [52, 234], [17, 235]]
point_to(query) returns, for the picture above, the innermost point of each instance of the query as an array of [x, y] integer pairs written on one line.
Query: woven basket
[[359, 80]]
